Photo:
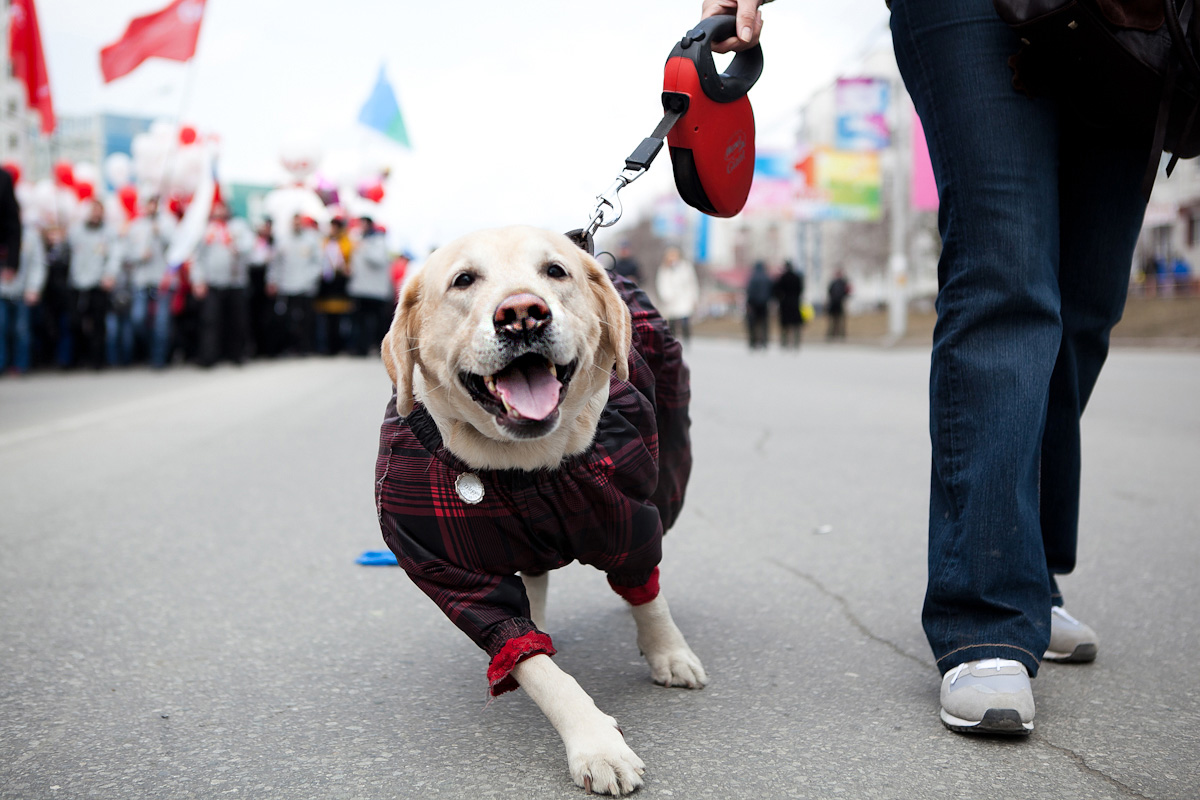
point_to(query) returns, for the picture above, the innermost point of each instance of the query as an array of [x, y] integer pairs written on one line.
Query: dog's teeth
[[553, 369], [490, 383], [509, 409]]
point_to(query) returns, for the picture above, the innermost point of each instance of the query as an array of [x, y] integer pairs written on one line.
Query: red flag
[[170, 33], [28, 60]]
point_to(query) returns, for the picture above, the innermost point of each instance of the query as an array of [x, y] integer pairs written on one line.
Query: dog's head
[[508, 338]]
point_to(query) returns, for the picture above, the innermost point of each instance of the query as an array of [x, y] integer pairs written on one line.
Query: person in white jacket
[[678, 291], [293, 276], [92, 275], [219, 279], [371, 288], [144, 251]]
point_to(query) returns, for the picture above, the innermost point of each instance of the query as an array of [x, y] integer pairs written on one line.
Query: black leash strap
[[675, 106]]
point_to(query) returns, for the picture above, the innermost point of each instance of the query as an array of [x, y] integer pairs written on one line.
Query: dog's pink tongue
[[532, 393]]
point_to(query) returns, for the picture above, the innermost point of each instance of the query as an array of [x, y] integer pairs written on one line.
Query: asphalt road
[[181, 615]]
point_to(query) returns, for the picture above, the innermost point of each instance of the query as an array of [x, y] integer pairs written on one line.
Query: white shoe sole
[[1082, 654], [999, 721]]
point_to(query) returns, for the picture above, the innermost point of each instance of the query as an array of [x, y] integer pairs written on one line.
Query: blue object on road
[[377, 558]]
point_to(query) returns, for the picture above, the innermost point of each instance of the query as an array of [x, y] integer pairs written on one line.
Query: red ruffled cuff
[[638, 595], [500, 679]]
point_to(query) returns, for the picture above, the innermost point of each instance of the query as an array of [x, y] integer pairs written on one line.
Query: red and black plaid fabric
[[607, 507]]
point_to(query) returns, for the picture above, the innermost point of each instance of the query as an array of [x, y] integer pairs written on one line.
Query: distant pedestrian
[[119, 336], [789, 293], [293, 276], [13, 311], [219, 282], [758, 306], [264, 328], [370, 288], [332, 305], [144, 250], [399, 270], [92, 275], [20, 291], [626, 265], [52, 331], [678, 291], [835, 307]]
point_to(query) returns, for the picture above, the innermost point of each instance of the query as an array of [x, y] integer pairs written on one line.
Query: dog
[[539, 417]]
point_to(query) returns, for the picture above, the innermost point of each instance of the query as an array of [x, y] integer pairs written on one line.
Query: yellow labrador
[[540, 417]]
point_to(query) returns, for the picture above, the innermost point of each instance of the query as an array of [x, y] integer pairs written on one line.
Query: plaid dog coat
[[607, 507]]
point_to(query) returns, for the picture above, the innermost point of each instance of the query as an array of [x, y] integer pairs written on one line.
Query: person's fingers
[[749, 23]]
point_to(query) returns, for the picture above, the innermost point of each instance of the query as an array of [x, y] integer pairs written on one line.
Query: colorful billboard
[[838, 185], [862, 105]]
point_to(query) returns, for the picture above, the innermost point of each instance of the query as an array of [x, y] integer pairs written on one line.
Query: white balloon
[[150, 162], [299, 157], [114, 213], [86, 172], [342, 166], [118, 168], [44, 199], [26, 202], [66, 208], [186, 170], [164, 130]]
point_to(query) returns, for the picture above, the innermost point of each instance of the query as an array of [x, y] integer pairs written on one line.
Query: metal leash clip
[[608, 204]]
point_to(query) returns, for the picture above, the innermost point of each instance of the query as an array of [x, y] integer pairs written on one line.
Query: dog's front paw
[[602, 763], [676, 666]]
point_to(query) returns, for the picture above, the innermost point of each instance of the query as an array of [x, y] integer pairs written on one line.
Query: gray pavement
[[181, 615]]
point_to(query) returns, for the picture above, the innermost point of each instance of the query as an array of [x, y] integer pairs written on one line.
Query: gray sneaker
[[988, 696], [1071, 642]]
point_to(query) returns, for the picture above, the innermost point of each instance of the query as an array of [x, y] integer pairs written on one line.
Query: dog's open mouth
[[525, 395]]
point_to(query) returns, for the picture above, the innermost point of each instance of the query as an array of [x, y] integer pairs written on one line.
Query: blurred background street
[[181, 615]]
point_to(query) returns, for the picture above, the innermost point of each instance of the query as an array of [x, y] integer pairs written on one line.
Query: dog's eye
[[555, 271], [462, 280]]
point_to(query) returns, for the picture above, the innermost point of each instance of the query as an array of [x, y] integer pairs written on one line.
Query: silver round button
[[469, 487]]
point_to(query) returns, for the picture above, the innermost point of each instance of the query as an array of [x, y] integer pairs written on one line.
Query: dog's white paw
[[602, 763], [672, 662], [676, 666]]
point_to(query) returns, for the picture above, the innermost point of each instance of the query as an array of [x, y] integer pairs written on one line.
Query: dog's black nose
[[521, 315]]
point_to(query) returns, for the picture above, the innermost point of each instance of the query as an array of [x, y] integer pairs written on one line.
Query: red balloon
[[187, 135], [84, 191], [129, 199], [374, 192], [14, 169], [64, 174]]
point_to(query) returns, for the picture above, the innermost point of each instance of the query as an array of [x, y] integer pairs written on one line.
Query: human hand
[[749, 22], [7, 274], [199, 290], [272, 290], [32, 298], [107, 283]]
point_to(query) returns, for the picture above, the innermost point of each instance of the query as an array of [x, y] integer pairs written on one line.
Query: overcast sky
[[519, 111]]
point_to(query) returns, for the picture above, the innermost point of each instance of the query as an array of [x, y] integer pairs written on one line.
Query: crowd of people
[[676, 288], [96, 295]]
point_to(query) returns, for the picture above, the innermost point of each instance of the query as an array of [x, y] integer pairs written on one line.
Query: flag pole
[[189, 82]]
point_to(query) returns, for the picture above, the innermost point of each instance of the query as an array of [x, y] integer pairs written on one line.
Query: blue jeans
[[119, 337], [15, 316], [155, 334], [1038, 224]]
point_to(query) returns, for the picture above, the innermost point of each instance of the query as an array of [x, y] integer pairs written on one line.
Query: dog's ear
[[399, 347], [616, 326]]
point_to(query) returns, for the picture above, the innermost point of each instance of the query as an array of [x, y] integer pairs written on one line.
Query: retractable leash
[[708, 125]]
